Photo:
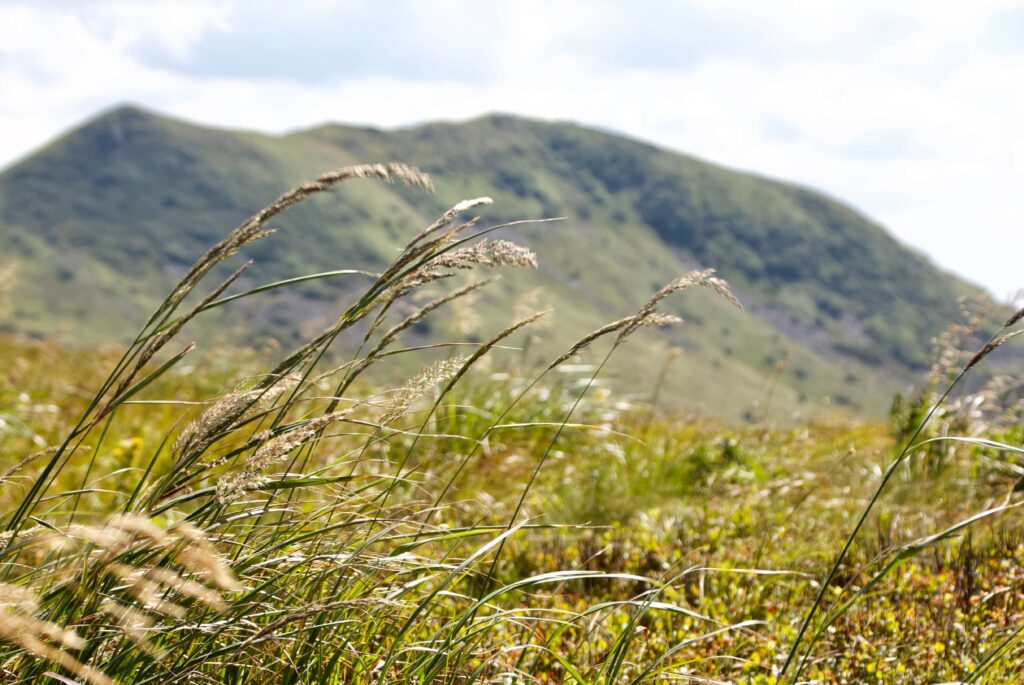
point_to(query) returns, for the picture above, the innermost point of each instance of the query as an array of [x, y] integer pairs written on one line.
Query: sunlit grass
[[172, 515]]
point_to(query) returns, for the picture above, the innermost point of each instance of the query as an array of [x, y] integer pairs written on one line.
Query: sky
[[913, 112]]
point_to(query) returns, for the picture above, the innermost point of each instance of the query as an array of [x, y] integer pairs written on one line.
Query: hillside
[[838, 312]]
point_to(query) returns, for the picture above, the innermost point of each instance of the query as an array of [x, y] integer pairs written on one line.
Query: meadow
[[182, 514]]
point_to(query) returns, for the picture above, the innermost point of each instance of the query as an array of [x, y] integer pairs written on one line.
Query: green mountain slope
[[839, 313]]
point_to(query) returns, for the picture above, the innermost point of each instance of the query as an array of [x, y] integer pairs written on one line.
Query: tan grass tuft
[[43, 639], [992, 346], [253, 475], [418, 386]]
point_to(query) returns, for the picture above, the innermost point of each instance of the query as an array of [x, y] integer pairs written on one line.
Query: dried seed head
[[587, 340], [486, 253], [448, 217], [705, 279], [42, 639], [253, 474], [218, 417], [989, 347], [135, 625], [659, 319], [418, 386], [200, 556], [139, 526]]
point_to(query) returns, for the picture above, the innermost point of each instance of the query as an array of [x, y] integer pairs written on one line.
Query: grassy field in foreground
[[171, 515]]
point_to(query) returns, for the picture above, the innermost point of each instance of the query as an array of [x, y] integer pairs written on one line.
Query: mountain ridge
[[105, 215]]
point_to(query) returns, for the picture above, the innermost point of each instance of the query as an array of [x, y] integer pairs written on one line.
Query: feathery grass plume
[[418, 386], [660, 320], [1015, 318], [990, 347], [40, 638], [490, 253], [648, 314], [705, 279], [199, 556], [25, 461], [272, 451], [139, 527], [200, 433], [252, 228], [8, 535], [486, 253], [448, 217], [133, 624]]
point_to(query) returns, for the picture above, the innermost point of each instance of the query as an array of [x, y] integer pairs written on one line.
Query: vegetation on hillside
[[283, 517], [106, 218]]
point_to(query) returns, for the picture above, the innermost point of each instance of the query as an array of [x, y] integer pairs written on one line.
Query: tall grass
[[307, 524], [283, 533]]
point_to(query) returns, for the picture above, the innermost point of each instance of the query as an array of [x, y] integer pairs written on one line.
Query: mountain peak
[[125, 114]]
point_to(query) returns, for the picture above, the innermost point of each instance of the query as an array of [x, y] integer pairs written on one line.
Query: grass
[[496, 516]]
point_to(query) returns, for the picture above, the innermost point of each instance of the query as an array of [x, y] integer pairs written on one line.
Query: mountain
[[838, 313]]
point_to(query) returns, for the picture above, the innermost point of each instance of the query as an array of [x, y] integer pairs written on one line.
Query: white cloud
[[910, 111]]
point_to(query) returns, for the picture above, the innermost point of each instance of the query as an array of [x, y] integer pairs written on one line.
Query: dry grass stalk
[[9, 473], [648, 314], [423, 311], [200, 433], [252, 229], [39, 638], [990, 347], [419, 385], [156, 343], [272, 451], [448, 217], [705, 279]]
